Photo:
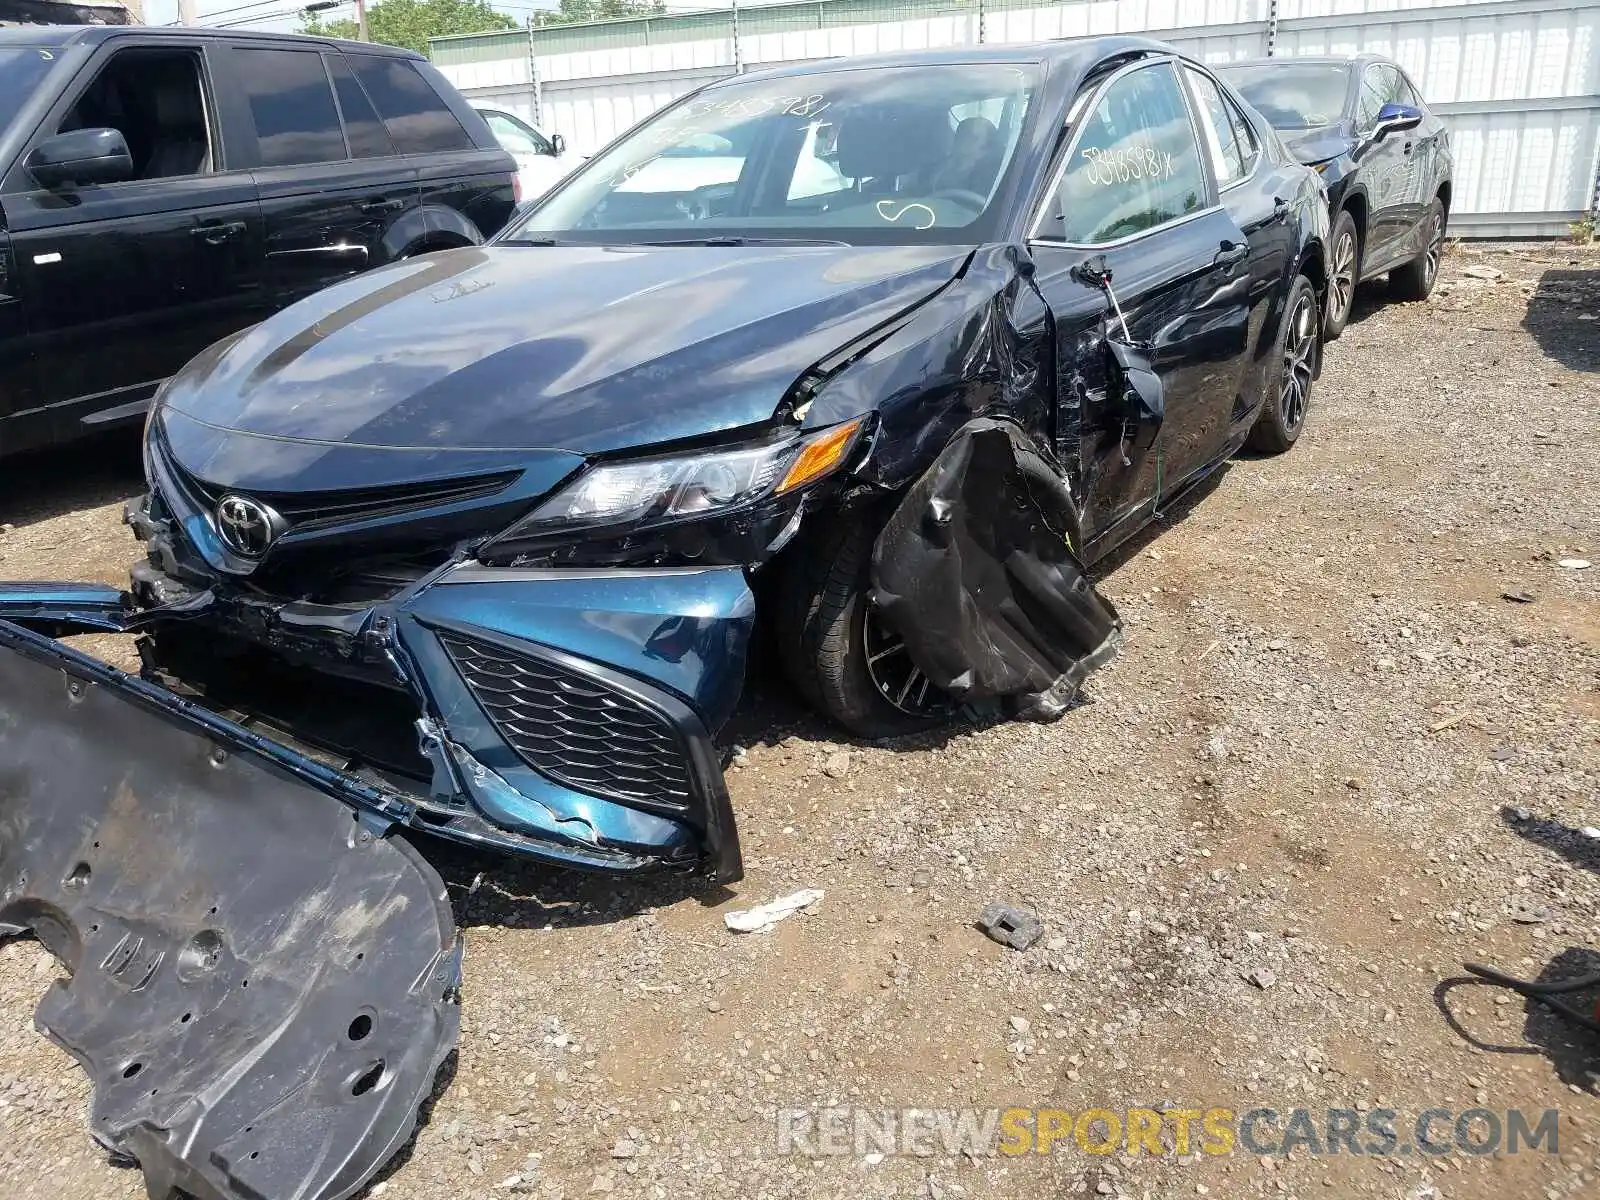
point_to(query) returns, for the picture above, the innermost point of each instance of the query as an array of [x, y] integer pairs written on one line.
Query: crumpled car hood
[[585, 349]]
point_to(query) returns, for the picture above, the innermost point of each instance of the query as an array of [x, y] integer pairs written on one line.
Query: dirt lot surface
[[1333, 762]]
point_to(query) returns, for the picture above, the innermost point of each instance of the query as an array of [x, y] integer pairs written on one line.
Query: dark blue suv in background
[[163, 188], [1385, 157]]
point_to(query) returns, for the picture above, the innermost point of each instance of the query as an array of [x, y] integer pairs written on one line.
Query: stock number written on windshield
[[1125, 163]]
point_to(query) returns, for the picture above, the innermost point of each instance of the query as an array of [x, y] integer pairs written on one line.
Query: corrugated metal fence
[[1517, 80]]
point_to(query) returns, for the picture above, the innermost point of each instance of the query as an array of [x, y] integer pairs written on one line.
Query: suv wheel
[[1343, 274], [836, 649], [1295, 369], [1415, 280]]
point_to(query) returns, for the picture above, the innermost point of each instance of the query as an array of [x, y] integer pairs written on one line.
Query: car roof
[[1318, 60], [1076, 52], [63, 36]]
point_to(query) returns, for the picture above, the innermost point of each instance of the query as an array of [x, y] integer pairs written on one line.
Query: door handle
[[379, 207], [1231, 254], [215, 233]]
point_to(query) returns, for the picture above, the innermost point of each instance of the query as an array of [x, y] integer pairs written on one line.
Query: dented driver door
[[1133, 215]]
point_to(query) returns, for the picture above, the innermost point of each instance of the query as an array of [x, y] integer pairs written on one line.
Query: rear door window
[[368, 138], [1217, 128], [292, 103], [416, 118]]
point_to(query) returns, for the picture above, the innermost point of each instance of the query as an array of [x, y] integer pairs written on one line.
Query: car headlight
[[647, 492]]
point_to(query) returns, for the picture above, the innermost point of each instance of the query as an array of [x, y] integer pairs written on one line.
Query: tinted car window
[[417, 120], [1405, 93], [368, 138], [1293, 95], [1135, 165], [292, 103], [1249, 144], [1217, 128], [1377, 89], [22, 70]]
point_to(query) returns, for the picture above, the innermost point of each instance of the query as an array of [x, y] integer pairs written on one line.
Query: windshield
[[858, 156], [22, 69], [1292, 96]]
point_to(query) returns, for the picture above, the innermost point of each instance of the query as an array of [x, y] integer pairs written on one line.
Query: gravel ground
[[1333, 762]]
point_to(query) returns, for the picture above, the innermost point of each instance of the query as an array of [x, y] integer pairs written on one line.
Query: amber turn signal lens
[[821, 455]]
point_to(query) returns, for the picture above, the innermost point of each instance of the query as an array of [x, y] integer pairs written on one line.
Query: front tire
[[834, 647], [1343, 274], [1283, 414], [1415, 280]]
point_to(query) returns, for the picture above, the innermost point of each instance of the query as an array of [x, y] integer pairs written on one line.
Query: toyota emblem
[[248, 527]]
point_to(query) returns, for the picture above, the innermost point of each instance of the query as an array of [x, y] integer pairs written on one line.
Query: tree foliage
[[411, 23], [571, 11]]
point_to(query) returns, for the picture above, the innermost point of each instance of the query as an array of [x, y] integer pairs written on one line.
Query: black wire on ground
[[1544, 993]]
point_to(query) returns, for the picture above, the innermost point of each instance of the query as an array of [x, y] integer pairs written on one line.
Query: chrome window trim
[[1083, 104]]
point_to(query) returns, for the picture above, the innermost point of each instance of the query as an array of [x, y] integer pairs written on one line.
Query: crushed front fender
[[975, 570], [262, 985]]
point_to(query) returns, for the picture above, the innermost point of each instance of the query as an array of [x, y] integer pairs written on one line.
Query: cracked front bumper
[[564, 714]]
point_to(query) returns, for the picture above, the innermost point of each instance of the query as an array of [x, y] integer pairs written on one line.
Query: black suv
[[163, 188], [1362, 125]]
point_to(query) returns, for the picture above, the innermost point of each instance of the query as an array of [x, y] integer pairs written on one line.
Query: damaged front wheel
[[841, 656]]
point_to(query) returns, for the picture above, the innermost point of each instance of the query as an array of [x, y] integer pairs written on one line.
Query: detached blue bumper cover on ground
[[563, 714]]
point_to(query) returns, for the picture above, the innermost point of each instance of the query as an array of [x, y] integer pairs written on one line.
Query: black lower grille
[[573, 728]]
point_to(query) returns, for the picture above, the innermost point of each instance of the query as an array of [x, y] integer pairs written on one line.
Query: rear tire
[[1415, 280], [1343, 274], [825, 623], [1283, 414]]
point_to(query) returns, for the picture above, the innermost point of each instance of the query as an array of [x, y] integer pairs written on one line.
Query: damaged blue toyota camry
[[875, 353]]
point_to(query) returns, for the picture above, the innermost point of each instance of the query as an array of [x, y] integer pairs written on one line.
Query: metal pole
[[533, 78], [361, 21], [982, 16], [188, 12], [738, 51], [1272, 26]]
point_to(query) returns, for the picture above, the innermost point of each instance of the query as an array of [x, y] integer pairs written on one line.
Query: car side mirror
[[1395, 118], [81, 156], [559, 143]]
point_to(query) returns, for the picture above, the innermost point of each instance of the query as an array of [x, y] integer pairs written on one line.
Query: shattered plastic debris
[[1011, 926], [763, 918], [1574, 564], [991, 519]]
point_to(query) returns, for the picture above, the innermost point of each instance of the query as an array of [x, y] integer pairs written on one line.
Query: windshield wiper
[[538, 241], [727, 240]]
